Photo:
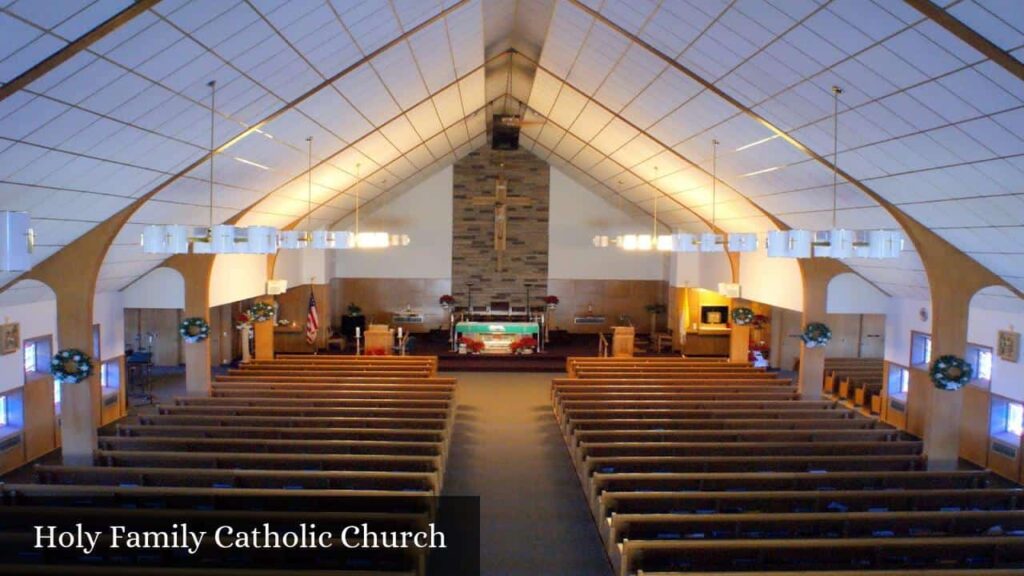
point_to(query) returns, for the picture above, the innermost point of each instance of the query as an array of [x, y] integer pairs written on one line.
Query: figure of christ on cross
[[501, 202]]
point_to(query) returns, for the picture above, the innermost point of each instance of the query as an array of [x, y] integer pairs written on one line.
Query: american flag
[[312, 320]]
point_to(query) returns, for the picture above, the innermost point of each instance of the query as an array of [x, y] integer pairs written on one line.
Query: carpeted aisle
[[508, 450]]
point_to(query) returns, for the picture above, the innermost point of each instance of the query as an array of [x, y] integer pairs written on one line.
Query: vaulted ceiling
[[626, 96]]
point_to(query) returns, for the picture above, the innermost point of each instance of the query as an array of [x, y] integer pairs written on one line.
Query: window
[[56, 393], [920, 349], [3, 411], [899, 380], [110, 375], [980, 358], [30, 356], [1015, 418]]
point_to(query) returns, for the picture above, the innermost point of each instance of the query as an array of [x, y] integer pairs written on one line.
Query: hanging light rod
[[835, 242]]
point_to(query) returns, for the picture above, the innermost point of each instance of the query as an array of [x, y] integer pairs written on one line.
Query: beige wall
[[853, 336]]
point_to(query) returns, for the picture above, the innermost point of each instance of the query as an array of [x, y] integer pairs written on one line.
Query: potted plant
[[354, 309], [525, 345]]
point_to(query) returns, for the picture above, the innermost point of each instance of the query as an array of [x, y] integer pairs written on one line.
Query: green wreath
[[194, 330], [950, 372], [71, 366], [742, 316], [816, 335], [261, 312]]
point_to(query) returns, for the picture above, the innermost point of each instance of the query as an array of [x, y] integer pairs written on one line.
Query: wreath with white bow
[[742, 316], [71, 366], [194, 330], [816, 335], [950, 372]]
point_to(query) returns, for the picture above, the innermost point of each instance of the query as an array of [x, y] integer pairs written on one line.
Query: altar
[[497, 337]]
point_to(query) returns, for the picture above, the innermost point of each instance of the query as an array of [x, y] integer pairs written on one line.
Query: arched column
[[196, 270], [815, 274]]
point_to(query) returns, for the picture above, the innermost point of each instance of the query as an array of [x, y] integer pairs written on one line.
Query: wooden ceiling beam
[[972, 38], [934, 250], [74, 47]]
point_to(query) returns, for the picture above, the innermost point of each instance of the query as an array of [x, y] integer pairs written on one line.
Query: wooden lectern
[[378, 338], [622, 341]]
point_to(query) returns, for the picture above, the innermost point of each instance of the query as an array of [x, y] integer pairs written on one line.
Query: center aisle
[[507, 448]]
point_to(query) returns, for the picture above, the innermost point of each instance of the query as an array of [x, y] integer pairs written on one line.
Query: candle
[[399, 332], [358, 331]]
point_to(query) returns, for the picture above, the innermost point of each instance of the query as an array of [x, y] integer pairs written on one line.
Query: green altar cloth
[[525, 328]]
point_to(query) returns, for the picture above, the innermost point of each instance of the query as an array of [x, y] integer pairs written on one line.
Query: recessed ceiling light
[[764, 171], [251, 163], [761, 141]]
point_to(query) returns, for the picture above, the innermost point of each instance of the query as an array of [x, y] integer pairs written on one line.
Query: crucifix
[[501, 202]]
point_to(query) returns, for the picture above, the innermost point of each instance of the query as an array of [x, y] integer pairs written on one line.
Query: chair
[[406, 346]]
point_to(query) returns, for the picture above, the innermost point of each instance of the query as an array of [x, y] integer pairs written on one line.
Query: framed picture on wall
[[1008, 345], [10, 338]]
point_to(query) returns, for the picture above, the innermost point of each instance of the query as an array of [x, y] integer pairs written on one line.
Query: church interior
[[585, 287]]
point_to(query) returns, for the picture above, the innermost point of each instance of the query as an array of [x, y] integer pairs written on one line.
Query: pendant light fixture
[[712, 241], [835, 242], [215, 238], [368, 240], [309, 238], [641, 242]]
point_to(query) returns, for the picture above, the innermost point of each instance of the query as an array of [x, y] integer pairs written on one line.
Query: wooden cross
[[501, 202]]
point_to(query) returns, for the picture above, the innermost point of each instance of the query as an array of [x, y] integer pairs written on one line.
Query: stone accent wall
[[526, 256]]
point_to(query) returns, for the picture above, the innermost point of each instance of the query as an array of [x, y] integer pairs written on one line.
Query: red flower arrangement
[[472, 345], [525, 343], [446, 300], [551, 300]]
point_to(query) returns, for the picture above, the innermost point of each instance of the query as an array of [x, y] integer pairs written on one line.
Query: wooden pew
[[817, 423], [230, 420], [242, 445], [787, 502], [794, 481], [292, 433], [312, 402], [247, 479], [763, 449], [745, 464], [262, 461], [306, 411], [849, 554]]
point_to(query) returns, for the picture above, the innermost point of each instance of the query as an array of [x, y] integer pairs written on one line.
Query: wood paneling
[[974, 431], [918, 393], [381, 297], [40, 418], [163, 325], [608, 298], [293, 305], [222, 335]]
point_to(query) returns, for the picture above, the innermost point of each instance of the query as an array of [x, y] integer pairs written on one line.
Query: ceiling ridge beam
[[122, 217], [924, 240], [74, 47], [969, 35]]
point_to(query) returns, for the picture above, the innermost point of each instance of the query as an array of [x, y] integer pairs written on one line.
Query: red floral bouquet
[[551, 301], [472, 345], [525, 343], [446, 301]]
